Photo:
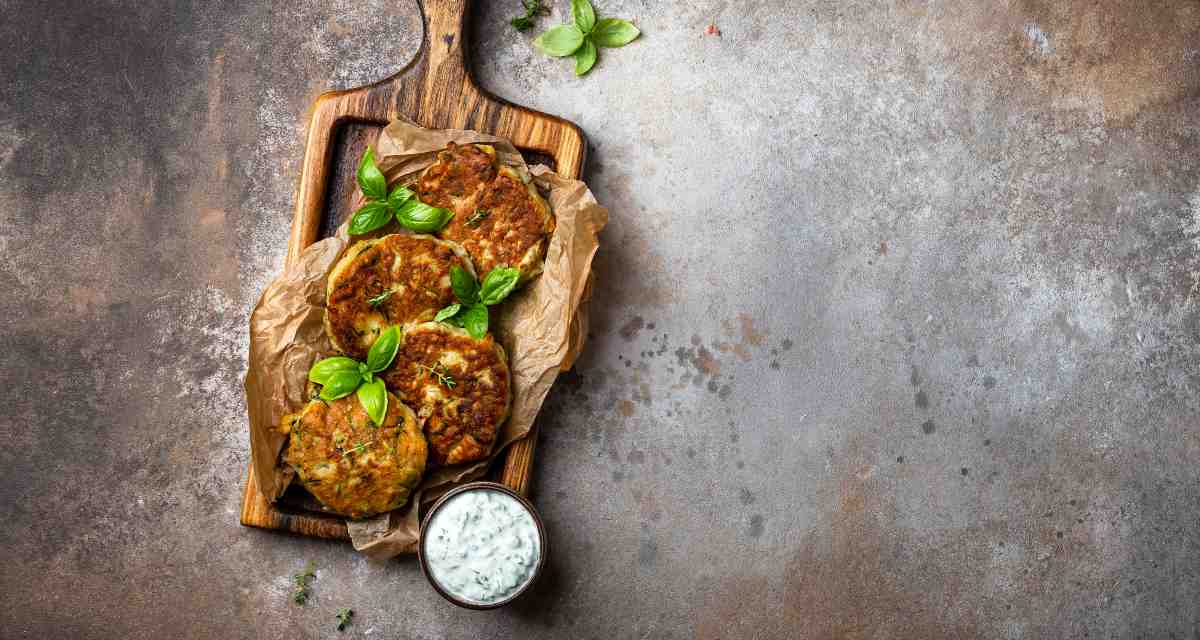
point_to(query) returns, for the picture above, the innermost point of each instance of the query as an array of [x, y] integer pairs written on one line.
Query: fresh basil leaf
[[370, 217], [585, 58], [399, 196], [422, 218], [466, 288], [322, 370], [370, 178], [341, 384], [373, 398], [447, 312], [560, 41], [497, 284], [475, 321], [384, 350], [584, 14], [614, 32]]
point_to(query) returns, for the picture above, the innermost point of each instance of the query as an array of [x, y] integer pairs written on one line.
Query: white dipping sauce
[[481, 546]]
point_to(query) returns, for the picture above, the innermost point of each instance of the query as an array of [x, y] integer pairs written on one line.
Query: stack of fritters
[[459, 388]]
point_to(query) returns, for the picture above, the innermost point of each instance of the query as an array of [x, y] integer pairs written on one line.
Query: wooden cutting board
[[436, 91]]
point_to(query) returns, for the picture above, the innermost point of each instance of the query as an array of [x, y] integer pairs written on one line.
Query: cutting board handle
[[444, 22], [441, 67], [436, 91]]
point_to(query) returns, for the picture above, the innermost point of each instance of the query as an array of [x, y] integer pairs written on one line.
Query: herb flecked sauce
[[481, 546]]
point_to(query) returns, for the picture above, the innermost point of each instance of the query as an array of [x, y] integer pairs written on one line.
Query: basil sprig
[[581, 38], [471, 310], [340, 376], [401, 203]]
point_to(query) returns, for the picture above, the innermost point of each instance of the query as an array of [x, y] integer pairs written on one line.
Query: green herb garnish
[[343, 618], [439, 371], [447, 312], [301, 580], [340, 376], [418, 216], [477, 218], [400, 203], [497, 284], [533, 9], [581, 38], [380, 299], [471, 310], [358, 449]]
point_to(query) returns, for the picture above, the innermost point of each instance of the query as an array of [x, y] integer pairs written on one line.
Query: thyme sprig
[[343, 617], [359, 448], [439, 371], [380, 299], [533, 9], [476, 218], [301, 580]]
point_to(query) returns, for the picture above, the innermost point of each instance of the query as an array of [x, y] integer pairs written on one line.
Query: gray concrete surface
[[895, 335]]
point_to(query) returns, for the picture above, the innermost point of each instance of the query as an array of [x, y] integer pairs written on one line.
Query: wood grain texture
[[436, 91]]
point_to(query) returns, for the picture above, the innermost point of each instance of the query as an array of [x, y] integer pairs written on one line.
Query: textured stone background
[[896, 332]]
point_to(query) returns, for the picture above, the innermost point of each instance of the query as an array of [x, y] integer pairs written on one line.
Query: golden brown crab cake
[[395, 279], [458, 174], [352, 466], [460, 386], [508, 226]]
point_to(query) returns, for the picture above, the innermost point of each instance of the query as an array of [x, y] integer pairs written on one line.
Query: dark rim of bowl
[[486, 486]]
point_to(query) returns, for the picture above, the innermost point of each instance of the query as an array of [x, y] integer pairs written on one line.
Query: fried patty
[[507, 225], [352, 466], [458, 174], [396, 279], [498, 218], [459, 386]]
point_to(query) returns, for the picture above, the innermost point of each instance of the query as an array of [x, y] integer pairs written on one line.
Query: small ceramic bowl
[[542, 545]]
